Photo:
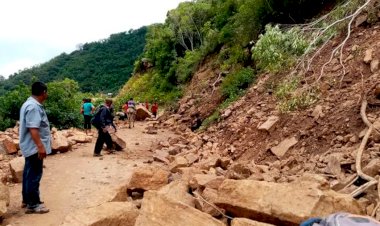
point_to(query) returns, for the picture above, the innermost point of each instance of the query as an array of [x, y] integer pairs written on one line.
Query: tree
[[187, 21]]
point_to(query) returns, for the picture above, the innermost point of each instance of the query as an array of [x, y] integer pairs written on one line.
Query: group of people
[[102, 120], [35, 140], [131, 106]]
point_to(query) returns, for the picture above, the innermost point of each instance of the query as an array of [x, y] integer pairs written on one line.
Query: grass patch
[[291, 99], [235, 83]]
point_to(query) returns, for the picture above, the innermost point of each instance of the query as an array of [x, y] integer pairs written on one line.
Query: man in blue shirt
[[35, 144]]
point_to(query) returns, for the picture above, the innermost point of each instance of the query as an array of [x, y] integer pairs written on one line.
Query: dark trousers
[[102, 137], [87, 121], [31, 181]]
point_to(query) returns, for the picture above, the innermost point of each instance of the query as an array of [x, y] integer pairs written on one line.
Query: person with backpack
[[87, 111], [103, 121]]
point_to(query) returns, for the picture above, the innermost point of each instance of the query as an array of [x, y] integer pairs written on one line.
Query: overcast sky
[[34, 31]]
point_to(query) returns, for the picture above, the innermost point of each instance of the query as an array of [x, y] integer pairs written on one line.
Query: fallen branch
[[216, 81], [340, 47]]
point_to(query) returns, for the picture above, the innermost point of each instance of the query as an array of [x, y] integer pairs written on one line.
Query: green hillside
[[102, 66], [224, 30]]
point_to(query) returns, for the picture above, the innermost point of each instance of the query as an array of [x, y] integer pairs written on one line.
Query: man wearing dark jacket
[[106, 123]]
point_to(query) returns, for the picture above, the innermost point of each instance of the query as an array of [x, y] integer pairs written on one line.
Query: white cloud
[[52, 27], [16, 65]]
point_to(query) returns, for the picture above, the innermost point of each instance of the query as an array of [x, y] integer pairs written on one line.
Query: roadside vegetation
[[62, 106]]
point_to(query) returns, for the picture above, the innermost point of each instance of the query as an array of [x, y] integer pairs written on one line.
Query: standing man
[[35, 144], [105, 123]]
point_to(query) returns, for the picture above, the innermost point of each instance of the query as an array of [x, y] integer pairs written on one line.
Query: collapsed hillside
[[280, 146]]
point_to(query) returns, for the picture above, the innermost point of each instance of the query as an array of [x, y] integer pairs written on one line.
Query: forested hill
[[102, 66]]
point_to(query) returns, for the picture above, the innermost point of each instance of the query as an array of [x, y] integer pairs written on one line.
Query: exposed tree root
[[216, 82], [371, 181]]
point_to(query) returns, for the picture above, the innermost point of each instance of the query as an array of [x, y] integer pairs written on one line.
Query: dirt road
[[77, 180]]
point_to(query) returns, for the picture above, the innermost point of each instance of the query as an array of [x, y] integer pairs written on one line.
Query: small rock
[[354, 139], [269, 123], [361, 19], [368, 56], [226, 114], [374, 65], [354, 48], [333, 166], [179, 162], [317, 113], [372, 168], [281, 149]]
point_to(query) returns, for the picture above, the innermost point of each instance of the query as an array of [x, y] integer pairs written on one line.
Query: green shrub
[[235, 83], [11, 103], [188, 65], [62, 106], [210, 120], [149, 87], [291, 99], [277, 49], [232, 57]]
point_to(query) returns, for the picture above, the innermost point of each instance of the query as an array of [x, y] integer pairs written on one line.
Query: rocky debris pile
[[155, 196], [66, 140]]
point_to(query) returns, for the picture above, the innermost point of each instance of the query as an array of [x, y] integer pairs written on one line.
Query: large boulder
[[3, 209], [80, 137], [247, 222], [201, 181], [148, 178], [110, 213], [178, 191], [60, 142], [203, 201], [158, 210], [282, 204], [142, 113], [7, 146], [118, 142], [4, 199], [4, 194], [16, 166]]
